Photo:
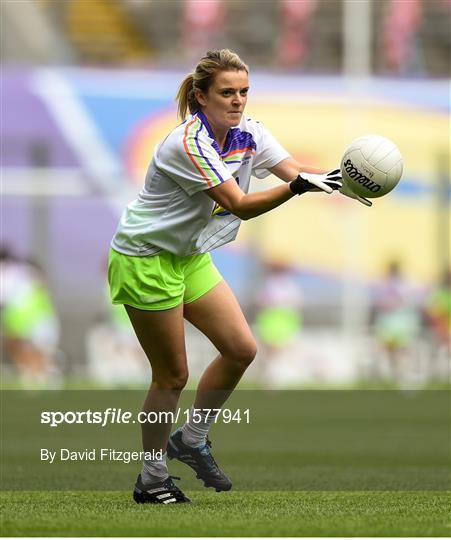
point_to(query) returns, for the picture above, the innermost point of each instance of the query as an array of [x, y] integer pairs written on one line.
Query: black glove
[[317, 182]]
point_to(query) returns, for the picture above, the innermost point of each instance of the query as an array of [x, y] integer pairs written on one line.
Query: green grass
[[295, 441], [338, 463], [256, 513]]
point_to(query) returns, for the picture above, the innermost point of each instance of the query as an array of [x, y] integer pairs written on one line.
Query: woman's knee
[[174, 379], [242, 352]]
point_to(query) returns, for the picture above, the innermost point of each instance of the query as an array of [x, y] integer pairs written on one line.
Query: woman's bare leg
[[161, 335], [218, 315]]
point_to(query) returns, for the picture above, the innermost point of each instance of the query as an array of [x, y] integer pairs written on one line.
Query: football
[[371, 166]]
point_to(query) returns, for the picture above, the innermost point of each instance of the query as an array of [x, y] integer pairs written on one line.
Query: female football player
[[160, 268]]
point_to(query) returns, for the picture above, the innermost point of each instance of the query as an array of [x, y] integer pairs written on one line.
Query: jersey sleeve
[[269, 152], [191, 161]]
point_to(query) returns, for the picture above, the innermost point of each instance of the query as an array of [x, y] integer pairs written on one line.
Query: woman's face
[[224, 103]]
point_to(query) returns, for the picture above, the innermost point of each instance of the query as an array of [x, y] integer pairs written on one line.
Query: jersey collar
[[229, 137]]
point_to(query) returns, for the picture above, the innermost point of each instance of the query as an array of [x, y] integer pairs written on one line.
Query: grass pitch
[[307, 464], [256, 513]]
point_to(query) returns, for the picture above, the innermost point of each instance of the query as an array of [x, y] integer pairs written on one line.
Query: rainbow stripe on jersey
[[237, 145], [195, 154]]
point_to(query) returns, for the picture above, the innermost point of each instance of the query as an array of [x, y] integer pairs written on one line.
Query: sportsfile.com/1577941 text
[[113, 415]]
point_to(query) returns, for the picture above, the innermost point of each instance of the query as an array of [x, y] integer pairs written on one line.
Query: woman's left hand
[[327, 182]]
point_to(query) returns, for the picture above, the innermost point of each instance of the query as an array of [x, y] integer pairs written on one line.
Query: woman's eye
[[244, 92], [226, 93]]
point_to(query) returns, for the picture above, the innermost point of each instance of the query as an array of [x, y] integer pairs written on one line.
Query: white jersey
[[171, 213]]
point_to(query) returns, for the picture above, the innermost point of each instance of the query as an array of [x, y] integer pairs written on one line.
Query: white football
[[371, 166]]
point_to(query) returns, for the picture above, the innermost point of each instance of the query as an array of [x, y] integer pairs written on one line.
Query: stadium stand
[[101, 31], [408, 38]]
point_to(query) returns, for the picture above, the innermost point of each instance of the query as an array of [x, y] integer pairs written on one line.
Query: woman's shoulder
[[188, 134], [174, 139], [253, 126], [191, 127]]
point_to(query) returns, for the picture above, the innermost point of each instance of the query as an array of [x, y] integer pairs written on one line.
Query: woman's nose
[[238, 99]]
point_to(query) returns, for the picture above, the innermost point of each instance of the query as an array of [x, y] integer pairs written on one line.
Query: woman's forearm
[[254, 204]]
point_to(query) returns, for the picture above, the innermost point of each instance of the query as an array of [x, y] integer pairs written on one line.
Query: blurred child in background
[[438, 318], [30, 325], [278, 321], [397, 319]]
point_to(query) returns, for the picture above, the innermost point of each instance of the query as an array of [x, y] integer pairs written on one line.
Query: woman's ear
[[200, 97]]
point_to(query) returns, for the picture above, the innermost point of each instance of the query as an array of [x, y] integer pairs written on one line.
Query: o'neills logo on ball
[[360, 178]]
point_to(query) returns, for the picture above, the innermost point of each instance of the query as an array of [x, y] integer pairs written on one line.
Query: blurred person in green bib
[[30, 324], [278, 322], [438, 319], [397, 319]]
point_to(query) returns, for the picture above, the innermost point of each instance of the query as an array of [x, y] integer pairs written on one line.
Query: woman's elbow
[[244, 215], [240, 211]]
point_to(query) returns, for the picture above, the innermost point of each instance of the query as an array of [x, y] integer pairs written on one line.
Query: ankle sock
[[154, 470], [194, 432]]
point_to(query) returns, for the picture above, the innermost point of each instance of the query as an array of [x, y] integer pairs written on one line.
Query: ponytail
[[185, 97]]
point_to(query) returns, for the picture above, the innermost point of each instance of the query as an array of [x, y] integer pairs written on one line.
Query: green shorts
[[160, 281]]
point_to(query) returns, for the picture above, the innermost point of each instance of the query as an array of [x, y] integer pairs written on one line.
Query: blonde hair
[[203, 76]]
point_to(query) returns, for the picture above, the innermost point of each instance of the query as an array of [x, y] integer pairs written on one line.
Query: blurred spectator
[[159, 22], [438, 317], [401, 24], [278, 320], [397, 319], [30, 325], [253, 29], [203, 27], [295, 20]]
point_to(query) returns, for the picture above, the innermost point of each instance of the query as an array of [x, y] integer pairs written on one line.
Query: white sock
[[154, 470], [194, 433]]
